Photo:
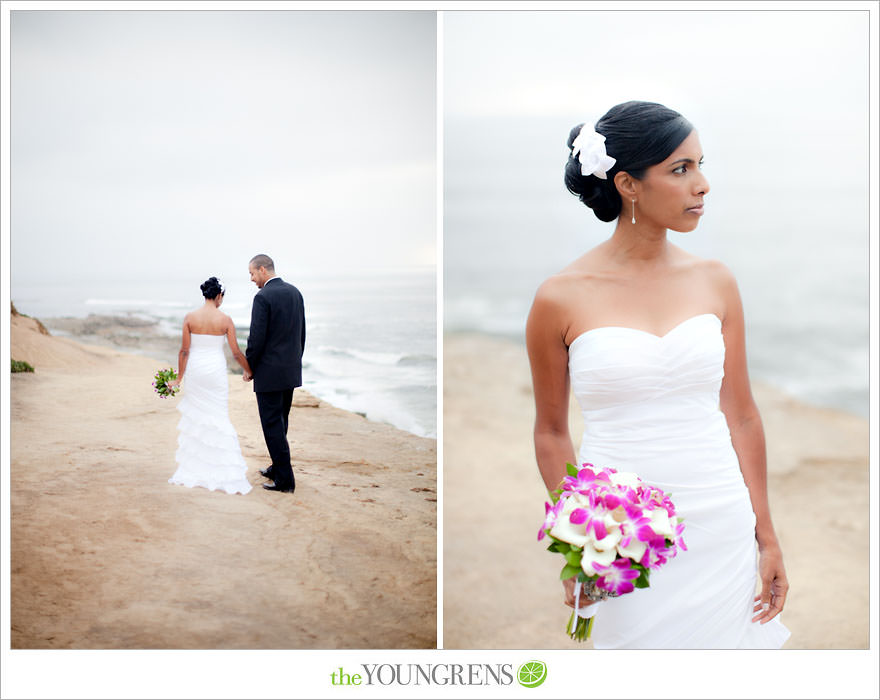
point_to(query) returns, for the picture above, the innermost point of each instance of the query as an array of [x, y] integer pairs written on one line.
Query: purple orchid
[[657, 553], [591, 515], [618, 577], [613, 500], [551, 513], [582, 483], [633, 522], [679, 540], [663, 501], [618, 495], [647, 496], [605, 473]]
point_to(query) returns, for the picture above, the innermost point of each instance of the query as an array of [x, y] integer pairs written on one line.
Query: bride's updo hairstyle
[[637, 135], [211, 288]]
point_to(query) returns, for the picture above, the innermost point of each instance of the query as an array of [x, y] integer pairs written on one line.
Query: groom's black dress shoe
[[283, 489], [267, 473]]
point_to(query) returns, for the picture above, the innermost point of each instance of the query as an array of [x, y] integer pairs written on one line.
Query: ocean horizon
[[370, 335]]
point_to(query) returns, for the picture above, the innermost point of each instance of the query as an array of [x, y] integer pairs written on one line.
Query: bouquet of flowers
[[613, 530], [160, 383]]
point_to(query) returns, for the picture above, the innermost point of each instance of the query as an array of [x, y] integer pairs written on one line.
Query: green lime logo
[[531, 674]]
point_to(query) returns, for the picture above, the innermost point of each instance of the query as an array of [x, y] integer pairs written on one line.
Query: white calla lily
[[660, 522], [591, 555], [613, 518], [567, 531], [635, 550], [609, 541], [630, 479]]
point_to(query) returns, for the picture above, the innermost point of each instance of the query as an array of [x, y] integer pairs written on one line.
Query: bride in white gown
[[208, 452], [651, 340]]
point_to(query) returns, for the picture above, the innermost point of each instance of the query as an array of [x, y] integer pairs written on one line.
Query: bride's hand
[[774, 585], [568, 587]]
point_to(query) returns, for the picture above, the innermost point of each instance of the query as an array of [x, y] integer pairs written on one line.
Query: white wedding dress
[[650, 406], [208, 453]]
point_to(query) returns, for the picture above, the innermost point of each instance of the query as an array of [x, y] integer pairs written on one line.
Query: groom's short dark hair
[[262, 260]]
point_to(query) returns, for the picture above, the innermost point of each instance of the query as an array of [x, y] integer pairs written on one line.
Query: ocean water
[[371, 341], [797, 244]]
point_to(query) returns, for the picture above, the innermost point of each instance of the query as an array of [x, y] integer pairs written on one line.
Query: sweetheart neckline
[[643, 332]]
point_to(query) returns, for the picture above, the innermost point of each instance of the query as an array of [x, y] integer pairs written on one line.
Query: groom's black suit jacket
[[277, 337]]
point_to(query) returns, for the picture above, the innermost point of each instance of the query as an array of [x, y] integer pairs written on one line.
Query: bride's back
[[207, 321]]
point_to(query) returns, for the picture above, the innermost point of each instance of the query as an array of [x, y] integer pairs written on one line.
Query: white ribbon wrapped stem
[[587, 612]]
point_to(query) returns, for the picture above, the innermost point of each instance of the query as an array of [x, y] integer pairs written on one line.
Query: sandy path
[[500, 588], [106, 554]]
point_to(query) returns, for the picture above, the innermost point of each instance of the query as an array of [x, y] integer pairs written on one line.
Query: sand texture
[[105, 553], [501, 587]]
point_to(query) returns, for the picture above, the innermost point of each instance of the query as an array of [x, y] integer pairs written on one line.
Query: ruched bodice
[[668, 368], [646, 399], [651, 406]]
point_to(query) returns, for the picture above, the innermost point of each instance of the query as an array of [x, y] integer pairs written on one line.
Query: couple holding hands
[[209, 454]]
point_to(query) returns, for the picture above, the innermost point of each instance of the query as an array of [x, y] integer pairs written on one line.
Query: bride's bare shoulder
[[714, 270], [577, 275], [559, 297]]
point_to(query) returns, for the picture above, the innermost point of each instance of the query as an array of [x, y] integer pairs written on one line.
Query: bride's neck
[[634, 243]]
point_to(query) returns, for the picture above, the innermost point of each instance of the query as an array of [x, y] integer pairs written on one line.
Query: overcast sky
[[544, 63], [775, 84], [144, 137]]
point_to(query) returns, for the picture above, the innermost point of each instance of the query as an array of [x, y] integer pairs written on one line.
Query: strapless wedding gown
[[208, 452], [651, 406]]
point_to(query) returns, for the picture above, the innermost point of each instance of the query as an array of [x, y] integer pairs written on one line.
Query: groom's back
[[279, 365]]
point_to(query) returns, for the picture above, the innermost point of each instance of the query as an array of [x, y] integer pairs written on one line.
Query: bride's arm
[[183, 355], [747, 436], [236, 350], [548, 356]]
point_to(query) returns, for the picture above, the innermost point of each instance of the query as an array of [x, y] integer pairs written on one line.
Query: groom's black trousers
[[274, 409]]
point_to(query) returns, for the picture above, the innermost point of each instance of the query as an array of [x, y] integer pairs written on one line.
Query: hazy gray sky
[[777, 84], [544, 63], [148, 138]]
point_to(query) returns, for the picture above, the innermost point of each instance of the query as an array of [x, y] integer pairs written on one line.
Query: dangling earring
[[634, 210]]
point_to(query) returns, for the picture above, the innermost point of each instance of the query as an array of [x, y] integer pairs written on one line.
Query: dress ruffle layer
[[208, 453], [213, 434]]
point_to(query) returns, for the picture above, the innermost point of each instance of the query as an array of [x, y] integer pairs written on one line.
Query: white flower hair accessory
[[589, 148]]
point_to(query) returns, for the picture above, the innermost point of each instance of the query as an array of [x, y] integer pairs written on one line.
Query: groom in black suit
[[274, 352]]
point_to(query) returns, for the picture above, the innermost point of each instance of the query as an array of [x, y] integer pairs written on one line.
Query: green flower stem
[[583, 628]]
